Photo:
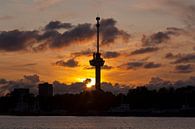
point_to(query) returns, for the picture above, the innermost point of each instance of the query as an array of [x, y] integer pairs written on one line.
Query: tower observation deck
[[97, 61]]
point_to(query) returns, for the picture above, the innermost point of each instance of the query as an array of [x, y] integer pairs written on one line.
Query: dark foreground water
[[71, 122]]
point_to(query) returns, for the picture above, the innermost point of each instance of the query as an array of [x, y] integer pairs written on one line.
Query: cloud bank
[[51, 38], [32, 81], [140, 64], [69, 63]]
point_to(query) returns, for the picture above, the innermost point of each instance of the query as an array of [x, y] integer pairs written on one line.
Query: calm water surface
[[71, 122]]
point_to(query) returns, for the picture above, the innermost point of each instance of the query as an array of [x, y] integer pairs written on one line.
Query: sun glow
[[91, 83]]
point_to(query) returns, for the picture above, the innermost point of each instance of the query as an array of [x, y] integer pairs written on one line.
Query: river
[[91, 122]]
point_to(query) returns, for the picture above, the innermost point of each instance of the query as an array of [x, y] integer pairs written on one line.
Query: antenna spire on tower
[[98, 25]]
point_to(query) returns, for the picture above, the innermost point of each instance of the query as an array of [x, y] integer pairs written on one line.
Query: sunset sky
[[55, 39]]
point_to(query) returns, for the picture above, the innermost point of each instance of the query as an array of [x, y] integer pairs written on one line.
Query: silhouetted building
[[45, 89], [97, 61], [20, 92], [23, 100]]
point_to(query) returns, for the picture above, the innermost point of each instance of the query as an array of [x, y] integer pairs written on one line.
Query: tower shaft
[[97, 61], [98, 78]]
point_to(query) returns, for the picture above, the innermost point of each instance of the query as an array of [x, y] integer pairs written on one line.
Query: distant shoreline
[[104, 114]]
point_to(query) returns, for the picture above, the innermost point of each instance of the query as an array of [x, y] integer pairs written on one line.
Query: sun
[[91, 83]]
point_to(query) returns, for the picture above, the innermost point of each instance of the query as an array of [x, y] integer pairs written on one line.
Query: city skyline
[[55, 39]]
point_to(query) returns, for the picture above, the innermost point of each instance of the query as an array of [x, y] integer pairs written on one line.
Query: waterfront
[[91, 122]]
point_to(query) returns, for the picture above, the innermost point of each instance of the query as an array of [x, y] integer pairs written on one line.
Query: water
[[71, 122]]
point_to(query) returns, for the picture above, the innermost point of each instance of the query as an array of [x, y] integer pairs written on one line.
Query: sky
[[140, 40]]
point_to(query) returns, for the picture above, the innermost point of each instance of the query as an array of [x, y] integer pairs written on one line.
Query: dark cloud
[[175, 30], [156, 38], [32, 81], [115, 88], [161, 37], [186, 58], [110, 32], [89, 67], [111, 54], [172, 56], [140, 64], [32, 78], [82, 32], [79, 33], [57, 25], [157, 83], [74, 88], [188, 82], [28, 81], [78, 87], [87, 81], [133, 65], [39, 40], [169, 55], [107, 67], [144, 50], [69, 63], [3, 81], [181, 58], [186, 68], [60, 88], [30, 64], [149, 65], [17, 40], [87, 52]]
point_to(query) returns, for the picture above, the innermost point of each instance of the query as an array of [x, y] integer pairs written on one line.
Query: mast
[[97, 61], [98, 26]]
